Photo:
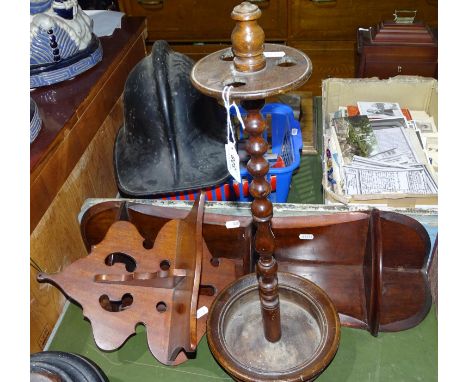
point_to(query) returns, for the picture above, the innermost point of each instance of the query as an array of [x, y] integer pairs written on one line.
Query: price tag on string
[[232, 158]]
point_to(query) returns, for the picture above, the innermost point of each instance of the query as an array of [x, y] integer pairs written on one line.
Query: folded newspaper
[[362, 179], [379, 155]]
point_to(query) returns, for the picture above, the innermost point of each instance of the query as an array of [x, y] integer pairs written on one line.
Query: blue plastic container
[[285, 139]]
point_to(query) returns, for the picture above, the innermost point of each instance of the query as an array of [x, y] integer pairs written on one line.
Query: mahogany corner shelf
[[71, 160]]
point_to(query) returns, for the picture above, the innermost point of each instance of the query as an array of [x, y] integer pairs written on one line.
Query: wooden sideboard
[[326, 30], [71, 160]]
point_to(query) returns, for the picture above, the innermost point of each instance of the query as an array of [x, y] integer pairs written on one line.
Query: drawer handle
[[261, 3], [323, 1], [404, 16], [153, 4]]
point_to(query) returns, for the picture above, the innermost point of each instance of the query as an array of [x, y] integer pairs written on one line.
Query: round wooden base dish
[[309, 324]]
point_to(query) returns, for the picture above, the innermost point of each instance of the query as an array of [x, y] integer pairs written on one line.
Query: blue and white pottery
[[62, 44], [35, 121]]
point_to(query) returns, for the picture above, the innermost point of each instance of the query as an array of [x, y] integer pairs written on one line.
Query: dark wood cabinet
[[338, 20], [391, 49], [325, 30], [203, 20]]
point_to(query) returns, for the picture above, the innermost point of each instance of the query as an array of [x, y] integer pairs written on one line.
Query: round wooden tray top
[[281, 74]]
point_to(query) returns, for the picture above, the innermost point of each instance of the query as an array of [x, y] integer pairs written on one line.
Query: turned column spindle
[[262, 212], [247, 45]]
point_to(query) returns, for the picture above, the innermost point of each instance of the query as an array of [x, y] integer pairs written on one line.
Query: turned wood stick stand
[[247, 46], [254, 77], [234, 321]]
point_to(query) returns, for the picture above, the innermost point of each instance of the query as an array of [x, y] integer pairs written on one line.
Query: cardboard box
[[412, 92]]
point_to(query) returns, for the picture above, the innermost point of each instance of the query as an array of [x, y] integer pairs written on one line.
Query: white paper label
[[293, 131], [201, 312], [306, 236], [232, 224], [274, 54], [232, 160]]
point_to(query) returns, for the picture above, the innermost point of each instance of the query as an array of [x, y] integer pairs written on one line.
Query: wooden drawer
[[340, 19], [387, 61], [329, 59], [386, 69], [203, 20]]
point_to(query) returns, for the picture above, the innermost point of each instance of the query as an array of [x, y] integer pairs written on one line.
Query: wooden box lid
[[392, 33]]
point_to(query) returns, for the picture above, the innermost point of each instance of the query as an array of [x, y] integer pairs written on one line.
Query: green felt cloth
[[410, 355], [306, 184]]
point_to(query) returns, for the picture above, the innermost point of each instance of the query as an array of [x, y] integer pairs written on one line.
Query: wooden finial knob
[[247, 38]]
